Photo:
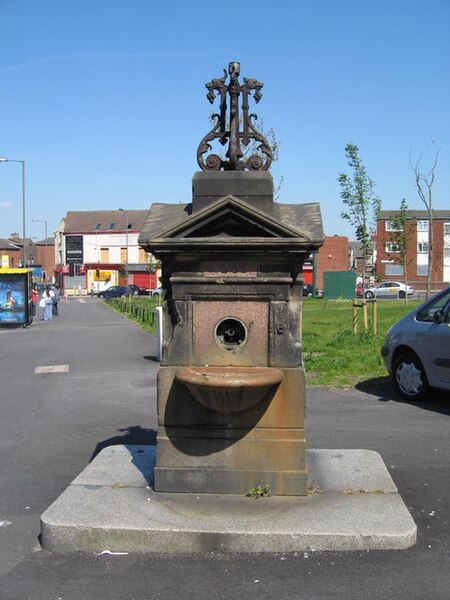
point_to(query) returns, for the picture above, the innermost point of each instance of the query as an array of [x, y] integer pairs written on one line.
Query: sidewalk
[[54, 422]]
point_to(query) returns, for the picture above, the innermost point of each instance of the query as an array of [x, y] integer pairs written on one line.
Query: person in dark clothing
[[55, 299]]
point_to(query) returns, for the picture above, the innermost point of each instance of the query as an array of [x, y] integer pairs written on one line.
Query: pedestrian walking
[[34, 298], [92, 290], [47, 303], [80, 289], [56, 295]]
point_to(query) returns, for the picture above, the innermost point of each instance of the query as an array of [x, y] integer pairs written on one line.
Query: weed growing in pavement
[[258, 492]]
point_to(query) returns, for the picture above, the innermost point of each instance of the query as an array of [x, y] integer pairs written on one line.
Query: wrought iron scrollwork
[[230, 132]]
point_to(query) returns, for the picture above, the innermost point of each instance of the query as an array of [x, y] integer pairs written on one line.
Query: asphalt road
[[52, 424]]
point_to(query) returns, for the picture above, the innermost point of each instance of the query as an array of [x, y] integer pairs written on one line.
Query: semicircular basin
[[229, 389]]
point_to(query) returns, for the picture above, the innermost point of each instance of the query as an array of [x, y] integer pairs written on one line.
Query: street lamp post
[[23, 203], [46, 239]]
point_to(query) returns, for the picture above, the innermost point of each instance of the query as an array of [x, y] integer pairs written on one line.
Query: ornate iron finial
[[236, 160]]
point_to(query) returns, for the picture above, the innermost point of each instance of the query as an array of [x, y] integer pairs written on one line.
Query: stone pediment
[[228, 219]]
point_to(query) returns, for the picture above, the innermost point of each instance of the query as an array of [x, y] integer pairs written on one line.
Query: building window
[[104, 255], [390, 227], [422, 269], [97, 226], [392, 247], [111, 226], [123, 255], [393, 270], [422, 247], [422, 225]]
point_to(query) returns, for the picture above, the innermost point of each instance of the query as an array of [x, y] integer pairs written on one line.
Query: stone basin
[[229, 389]]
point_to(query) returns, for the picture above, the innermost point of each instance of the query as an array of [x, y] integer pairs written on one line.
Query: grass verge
[[140, 309], [333, 354]]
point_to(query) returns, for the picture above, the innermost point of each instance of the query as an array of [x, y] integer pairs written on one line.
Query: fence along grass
[[141, 310]]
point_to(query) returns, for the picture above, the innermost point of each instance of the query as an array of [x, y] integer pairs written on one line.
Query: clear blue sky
[[105, 99]]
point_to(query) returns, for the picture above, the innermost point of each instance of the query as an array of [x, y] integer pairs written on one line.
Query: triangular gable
[[230, 217]]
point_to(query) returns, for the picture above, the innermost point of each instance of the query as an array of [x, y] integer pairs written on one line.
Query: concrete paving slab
[[353, 505]]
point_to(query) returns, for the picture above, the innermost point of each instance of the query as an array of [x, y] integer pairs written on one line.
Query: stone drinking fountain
[[231, 385]]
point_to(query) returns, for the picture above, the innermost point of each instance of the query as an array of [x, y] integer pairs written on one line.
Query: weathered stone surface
[[177, 407], [231, 269], [245, 449], [256, 188], [287, 226], [358, 508]]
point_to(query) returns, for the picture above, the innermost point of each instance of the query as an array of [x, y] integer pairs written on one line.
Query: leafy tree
[[401, 237], [362, 205], [424, 181]]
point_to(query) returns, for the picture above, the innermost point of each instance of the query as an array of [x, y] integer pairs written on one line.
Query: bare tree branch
[[424, 185]]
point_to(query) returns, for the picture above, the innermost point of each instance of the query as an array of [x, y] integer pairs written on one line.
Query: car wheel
[[369, 295], [135, 293], [409, 377], [401, 294], [101, 295]]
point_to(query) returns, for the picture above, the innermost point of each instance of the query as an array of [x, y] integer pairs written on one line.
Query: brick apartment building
[[45, 254], [417, 257], [12, 251]]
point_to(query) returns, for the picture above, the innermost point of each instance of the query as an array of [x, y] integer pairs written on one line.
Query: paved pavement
[[53, 423]]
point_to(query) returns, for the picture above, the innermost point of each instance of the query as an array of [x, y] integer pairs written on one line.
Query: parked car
[[116, 291], [136, 290], [416, 351], [308, 291], [156, 292], [389, 289]]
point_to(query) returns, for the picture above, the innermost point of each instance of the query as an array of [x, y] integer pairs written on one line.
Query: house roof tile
[[85, 221], [413, 214]]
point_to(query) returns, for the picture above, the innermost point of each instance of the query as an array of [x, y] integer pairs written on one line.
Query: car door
[[382, 290], [391, 290], [439, 346], [432, 342]]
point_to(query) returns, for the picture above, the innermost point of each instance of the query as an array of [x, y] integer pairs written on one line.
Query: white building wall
[[446, 266], [92, 244], [422, 257]]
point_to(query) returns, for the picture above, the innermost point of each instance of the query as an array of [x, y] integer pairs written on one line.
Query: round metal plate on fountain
[[230, 333]]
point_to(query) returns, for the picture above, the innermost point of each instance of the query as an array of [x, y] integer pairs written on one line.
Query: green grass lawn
[[332, 353]]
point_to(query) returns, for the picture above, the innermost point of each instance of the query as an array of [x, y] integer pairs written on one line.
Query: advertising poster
[[74, 249], [13, 299]]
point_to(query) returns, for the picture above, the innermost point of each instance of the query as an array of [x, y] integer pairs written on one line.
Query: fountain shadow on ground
[[133, 436]]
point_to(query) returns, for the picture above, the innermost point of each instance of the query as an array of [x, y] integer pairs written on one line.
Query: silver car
[[389, 289], [416, 351]]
